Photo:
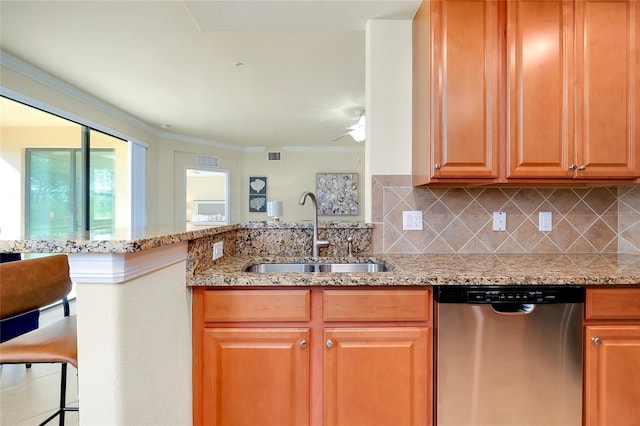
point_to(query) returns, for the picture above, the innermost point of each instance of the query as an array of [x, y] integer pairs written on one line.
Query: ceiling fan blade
[[340, 137]]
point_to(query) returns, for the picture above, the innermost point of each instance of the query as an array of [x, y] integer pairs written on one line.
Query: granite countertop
[[405, 269], [125, 240], [435, 269], [129, 240]]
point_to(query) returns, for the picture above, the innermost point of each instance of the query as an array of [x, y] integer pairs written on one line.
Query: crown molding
[[65, 88], [323, 148], [201, 141]]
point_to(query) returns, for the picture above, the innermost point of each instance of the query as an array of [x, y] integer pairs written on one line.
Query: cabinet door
[[377, 376], [464, 82], [612, 375], [608, 46], [256, 376], [541, 91]]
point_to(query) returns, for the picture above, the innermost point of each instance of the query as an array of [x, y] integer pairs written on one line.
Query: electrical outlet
[[412, 221], [545, 221], [217, 250], [499, 221]]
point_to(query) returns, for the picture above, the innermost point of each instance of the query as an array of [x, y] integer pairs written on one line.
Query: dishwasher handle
[[513, 308]]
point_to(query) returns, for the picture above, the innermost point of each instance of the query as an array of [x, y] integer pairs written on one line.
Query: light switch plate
[[412, 221], [499, 221], [545, 221], [217, 250]]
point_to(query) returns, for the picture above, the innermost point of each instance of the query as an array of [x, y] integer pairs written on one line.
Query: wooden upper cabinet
[[540, 98], [571, 70], [526, 90], [463, 76], [607, 62]]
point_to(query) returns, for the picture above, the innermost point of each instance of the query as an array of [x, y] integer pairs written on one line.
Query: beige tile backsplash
[[459, 220]]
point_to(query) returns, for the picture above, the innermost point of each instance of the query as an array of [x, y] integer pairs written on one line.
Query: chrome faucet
[[316, 242]]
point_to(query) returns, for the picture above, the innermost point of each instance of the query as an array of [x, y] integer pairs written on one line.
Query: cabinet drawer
[[613, 303], [377, 305], [256, 305]]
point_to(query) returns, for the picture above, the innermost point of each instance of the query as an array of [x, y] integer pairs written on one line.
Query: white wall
[[295, 173], [389, 97], [134, 340], [206, 187]]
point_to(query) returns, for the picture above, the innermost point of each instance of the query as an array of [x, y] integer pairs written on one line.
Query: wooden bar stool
[[31, 284]]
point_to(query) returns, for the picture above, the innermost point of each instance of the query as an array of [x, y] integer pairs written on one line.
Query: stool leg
[[63, 392], [63, 398]]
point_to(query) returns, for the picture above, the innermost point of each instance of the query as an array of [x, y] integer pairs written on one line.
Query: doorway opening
[[207, 197]]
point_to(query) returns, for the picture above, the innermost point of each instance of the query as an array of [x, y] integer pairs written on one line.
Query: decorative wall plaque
[[257, 194], [337, 194]]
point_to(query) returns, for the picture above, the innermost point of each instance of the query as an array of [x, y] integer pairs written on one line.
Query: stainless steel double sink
[[318, 267]]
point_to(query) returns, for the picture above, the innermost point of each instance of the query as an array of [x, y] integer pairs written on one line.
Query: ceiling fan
[[357, 128]]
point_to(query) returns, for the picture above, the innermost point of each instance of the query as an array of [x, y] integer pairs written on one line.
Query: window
[[56, 189], [69, 177]]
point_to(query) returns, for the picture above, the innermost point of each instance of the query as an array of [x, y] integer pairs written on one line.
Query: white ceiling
[[247, 73]]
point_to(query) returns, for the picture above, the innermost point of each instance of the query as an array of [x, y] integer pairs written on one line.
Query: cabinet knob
[[437, 166], [303, 343], [573, 167], [583, 167], [596, 340], [329, 343]]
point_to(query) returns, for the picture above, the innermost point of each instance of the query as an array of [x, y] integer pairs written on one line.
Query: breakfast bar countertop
[[121, 240], [132, 240], [434, 269]]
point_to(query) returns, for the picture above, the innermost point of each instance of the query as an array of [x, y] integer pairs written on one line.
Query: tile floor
[[29, 396]]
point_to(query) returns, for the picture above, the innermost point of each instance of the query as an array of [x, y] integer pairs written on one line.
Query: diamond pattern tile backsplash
[[459, 220]]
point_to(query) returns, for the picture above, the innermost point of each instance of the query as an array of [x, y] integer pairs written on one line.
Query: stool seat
[[33, 284], [55, 342]]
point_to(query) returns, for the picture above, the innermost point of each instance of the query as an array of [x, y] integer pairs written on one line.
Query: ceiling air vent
[[273, 156], [206, 161]]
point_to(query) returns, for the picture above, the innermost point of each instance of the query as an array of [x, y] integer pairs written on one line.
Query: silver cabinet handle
[[573, 167], [329, 343], [583, 167], [596, 340], [303, 343], [437, 166]]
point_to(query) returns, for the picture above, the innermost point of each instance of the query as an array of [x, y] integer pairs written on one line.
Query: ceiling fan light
[[358, 135]]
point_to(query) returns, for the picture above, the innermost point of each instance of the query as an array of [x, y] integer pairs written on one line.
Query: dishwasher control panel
[[512, 296], [509, 294]]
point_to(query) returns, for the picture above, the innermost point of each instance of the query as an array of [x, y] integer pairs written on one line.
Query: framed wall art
[[337, 194], [257, 194]]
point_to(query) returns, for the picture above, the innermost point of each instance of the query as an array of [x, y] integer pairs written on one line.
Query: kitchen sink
[[318, 267]]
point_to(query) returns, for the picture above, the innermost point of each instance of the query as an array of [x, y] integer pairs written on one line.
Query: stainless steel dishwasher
[[509, 355]]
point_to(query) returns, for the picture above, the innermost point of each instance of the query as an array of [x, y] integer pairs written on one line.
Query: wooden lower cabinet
[[612, 357], [377, 376], [312, 357], [612, 375], [255, 376]]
